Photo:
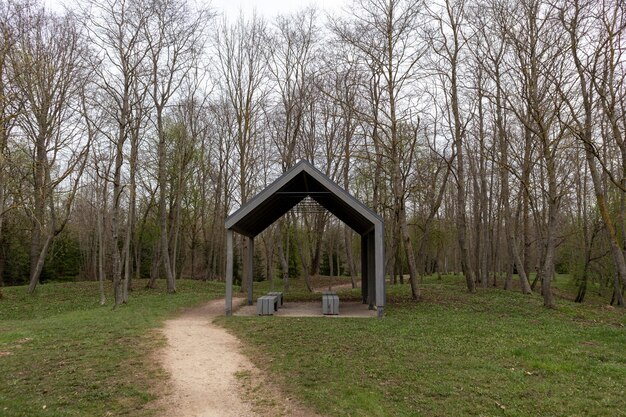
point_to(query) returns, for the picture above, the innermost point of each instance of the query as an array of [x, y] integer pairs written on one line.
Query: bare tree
[[491, 55], [448, 44], [136, 127], [291, 58], [538, 49], [340, 87], [48, 67], [589, 43], [242, 65], [9, 108], [116, 28], [174, 37], [218, 148], [98, 170], [385, 35]]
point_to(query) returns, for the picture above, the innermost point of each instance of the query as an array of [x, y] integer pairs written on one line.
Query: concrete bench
[[266, 305], [330, 303], [279, 295]]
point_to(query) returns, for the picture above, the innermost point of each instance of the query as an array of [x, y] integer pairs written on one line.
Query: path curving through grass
[[209, 376], [203, 361]]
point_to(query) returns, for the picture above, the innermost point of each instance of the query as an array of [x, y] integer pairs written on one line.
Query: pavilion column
[[229, 273], [250, 268], [371, 270], [364, 275], [380, 268]]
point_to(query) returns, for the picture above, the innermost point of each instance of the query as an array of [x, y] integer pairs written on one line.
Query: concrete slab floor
[[311, 309]]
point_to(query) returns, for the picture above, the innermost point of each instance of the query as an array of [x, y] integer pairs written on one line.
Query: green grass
[[490, 353], [61, 354]]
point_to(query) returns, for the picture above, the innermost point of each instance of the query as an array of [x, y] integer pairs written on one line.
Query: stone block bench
[[330, 303], [266, 305], [279, 304]]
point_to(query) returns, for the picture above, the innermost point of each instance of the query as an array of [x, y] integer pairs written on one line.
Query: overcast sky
[[267, 8], [270, 8]]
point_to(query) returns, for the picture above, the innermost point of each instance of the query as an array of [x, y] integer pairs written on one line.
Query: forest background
[[489, 134]]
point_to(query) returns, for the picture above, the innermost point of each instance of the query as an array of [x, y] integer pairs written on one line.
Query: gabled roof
[[302, 180]]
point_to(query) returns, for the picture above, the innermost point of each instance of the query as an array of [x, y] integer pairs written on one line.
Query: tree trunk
[[525, 241], [548, 265], [331, 264], [618, 295], [100, 262], [416, 292], [3, 258], [506, 199], [115, 220], [283, 256], [585, 132], [132, 213], [2, 203], [162, 179], [483, 208], [303, 261], [39, 207], [461, 220], [36, 272], [156, 263], [347, 239]]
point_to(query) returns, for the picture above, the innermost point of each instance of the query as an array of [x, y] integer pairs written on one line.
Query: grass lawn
[[61, 354], [452, 354]]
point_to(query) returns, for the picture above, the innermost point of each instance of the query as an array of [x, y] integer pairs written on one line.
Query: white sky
[[271, 8], [267, 8]]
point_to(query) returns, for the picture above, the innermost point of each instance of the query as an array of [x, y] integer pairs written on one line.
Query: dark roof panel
[[292, 187]]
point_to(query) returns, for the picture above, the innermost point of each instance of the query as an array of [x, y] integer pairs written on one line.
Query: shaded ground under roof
[[312, 309]]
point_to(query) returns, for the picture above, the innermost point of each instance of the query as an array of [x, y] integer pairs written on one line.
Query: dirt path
[[209, 374]]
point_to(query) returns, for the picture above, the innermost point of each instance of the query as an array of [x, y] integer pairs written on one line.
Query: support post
[[380, 268], [364, 268], [229, 273], [371, 270], [250, 268]]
